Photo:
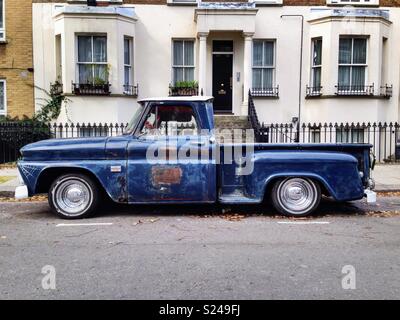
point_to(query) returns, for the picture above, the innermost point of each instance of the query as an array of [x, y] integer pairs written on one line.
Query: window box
[[91, 89], [354, 90], [265, 92], [130, 90], [313, 91], [183, 91]]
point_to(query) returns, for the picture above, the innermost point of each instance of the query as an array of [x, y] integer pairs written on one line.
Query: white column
[[202, 62], [248, 39]]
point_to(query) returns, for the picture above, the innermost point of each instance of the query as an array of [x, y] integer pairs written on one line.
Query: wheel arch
[[325, 186], [48, 175]]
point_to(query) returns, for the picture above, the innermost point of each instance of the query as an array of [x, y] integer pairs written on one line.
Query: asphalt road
[[201, 252]]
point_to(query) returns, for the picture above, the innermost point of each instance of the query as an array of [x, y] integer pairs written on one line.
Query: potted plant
[[184, 88]]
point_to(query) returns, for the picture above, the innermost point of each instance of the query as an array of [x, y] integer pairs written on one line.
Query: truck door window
[[170, 121]]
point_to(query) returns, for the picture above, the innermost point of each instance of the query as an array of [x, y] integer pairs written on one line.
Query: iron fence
[[385, 137], [14, 135]]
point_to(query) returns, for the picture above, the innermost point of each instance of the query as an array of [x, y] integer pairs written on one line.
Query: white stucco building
[[110, 55]]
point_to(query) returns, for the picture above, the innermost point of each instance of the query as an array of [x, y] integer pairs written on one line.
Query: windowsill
[[333, 96], [112, 95], [183, 3], [265, 97], [269, 3]]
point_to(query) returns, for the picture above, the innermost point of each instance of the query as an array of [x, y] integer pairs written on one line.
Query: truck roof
[[186, 98]]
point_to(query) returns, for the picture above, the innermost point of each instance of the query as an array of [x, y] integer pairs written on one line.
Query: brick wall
[[16, 56]]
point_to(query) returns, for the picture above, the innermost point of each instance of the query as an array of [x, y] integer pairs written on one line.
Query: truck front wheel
[[296, 197], [73, 196]]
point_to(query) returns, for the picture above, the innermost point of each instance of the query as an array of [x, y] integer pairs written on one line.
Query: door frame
[[233, 67]]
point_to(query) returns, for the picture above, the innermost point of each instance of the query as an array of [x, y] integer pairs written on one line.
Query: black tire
[[305, 189], [85, 189]]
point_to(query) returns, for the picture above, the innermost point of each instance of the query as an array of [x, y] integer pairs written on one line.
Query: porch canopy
[[227, 16]]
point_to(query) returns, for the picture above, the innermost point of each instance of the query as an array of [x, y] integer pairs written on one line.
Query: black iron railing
[[315, 91], [253, 118], [354, 90], [91, 89], [183, 91], [130, 90], [265, 92], [386, 91], [384, 136]]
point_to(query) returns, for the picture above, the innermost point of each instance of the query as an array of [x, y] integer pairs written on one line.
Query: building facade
[[325, 60], [16, 59]]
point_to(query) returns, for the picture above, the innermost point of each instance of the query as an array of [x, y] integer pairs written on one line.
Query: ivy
[[51, 107]]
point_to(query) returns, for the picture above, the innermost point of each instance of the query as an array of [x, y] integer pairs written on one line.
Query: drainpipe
[[297, 138]]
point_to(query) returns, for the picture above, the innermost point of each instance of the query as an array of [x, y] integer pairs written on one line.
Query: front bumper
[[370, 195], [21, 192]]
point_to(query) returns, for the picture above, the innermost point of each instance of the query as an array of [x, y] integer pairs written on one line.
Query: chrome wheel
[[73, 196], [297, 196]]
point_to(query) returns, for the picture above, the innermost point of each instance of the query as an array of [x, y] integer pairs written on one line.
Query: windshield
[[135, 119]]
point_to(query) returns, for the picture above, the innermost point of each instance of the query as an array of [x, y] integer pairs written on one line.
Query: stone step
[[231, 122]]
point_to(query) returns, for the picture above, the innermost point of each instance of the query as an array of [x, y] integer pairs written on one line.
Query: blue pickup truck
[[169, 154]]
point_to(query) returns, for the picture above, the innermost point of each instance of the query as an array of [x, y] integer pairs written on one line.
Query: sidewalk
[[387, 178]]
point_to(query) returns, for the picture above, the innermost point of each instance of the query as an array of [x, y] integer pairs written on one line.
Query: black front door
[[222, 82]]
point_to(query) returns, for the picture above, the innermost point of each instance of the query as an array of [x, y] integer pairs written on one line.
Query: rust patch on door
[[162, 176]]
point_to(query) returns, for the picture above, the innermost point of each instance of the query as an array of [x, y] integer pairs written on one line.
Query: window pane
[[100, 73], [189, 53], [178, 75], [178, 53], [257, 78], [345, 50], [257, 53], [1, 13], [268, 77], [316, 77], [85, 73], [344, 76], [2, 102], [268, 53], [317, 54], [222, 46], [84, 49], [127, 75], [100, 49], [189, 74], [360, 51], [127, 51], [358, 76]]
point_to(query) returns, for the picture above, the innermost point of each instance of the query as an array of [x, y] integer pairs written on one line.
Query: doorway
[[222, 75]]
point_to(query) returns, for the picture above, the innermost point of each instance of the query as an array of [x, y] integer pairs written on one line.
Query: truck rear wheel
[[296, 197], [73, 196]]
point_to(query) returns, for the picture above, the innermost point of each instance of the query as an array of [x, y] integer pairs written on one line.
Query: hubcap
[[297, 195], [73, 197]]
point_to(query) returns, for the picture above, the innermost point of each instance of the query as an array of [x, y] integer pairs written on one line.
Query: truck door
[[170, 159]]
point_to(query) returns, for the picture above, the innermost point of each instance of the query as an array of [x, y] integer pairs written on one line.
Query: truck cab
[[169, 154]]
